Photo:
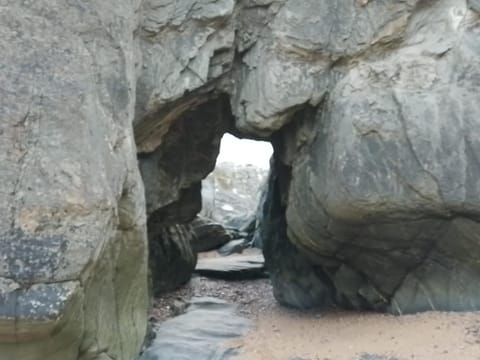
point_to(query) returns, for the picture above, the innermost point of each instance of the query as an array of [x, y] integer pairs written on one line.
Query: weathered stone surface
[[384, 197], [290, 65], [296, 280], [71, 199], [202, 333], [373, 109], [172, 258], [187, 155], [208, 235], [186, 45], [345, 89]]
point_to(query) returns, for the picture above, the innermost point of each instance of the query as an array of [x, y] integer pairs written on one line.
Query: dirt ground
[[252, 297], [288, 335], [285, 334]]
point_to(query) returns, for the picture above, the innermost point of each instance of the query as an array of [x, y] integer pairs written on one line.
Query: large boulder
[[372, 107], [73, 274], [384, 193], [209, 235]]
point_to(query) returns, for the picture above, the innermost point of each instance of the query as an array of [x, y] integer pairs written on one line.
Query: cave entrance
[[231, 194], [204, 188], [190, 212]]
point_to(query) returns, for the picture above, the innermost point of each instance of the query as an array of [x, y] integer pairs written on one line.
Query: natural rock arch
[[372, 109]]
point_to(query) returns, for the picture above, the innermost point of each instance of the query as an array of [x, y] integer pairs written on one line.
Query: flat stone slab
[[239, 267], [201, 333], [233, 247]]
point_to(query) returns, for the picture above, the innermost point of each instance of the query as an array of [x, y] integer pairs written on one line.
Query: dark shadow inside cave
[[203, 187]]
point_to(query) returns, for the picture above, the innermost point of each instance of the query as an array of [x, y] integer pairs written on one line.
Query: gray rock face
[[172, 259], [185, 46], [72, 229], [384, 198], [372, 107], [290, 65], [208, 235], [296, 280]]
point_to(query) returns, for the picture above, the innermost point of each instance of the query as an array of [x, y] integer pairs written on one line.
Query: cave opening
[[203, 188], [206, 186], [232, 192]]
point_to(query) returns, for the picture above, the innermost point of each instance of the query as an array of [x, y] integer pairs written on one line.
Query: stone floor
[[279, 333]]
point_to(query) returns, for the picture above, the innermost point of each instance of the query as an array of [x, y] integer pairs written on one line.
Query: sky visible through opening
[[245, 152]]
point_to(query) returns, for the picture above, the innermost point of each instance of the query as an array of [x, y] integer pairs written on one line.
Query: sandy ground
[[285, 334], [288, 335]]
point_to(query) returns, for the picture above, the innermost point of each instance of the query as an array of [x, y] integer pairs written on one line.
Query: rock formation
[[384, 187], [372, 108], [209, 235], [73, 265]]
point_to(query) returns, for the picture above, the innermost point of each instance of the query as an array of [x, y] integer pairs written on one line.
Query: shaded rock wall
[[172, 257], [73, 251], [296, 280], [172, 177], [187, 155], [390, 176]]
